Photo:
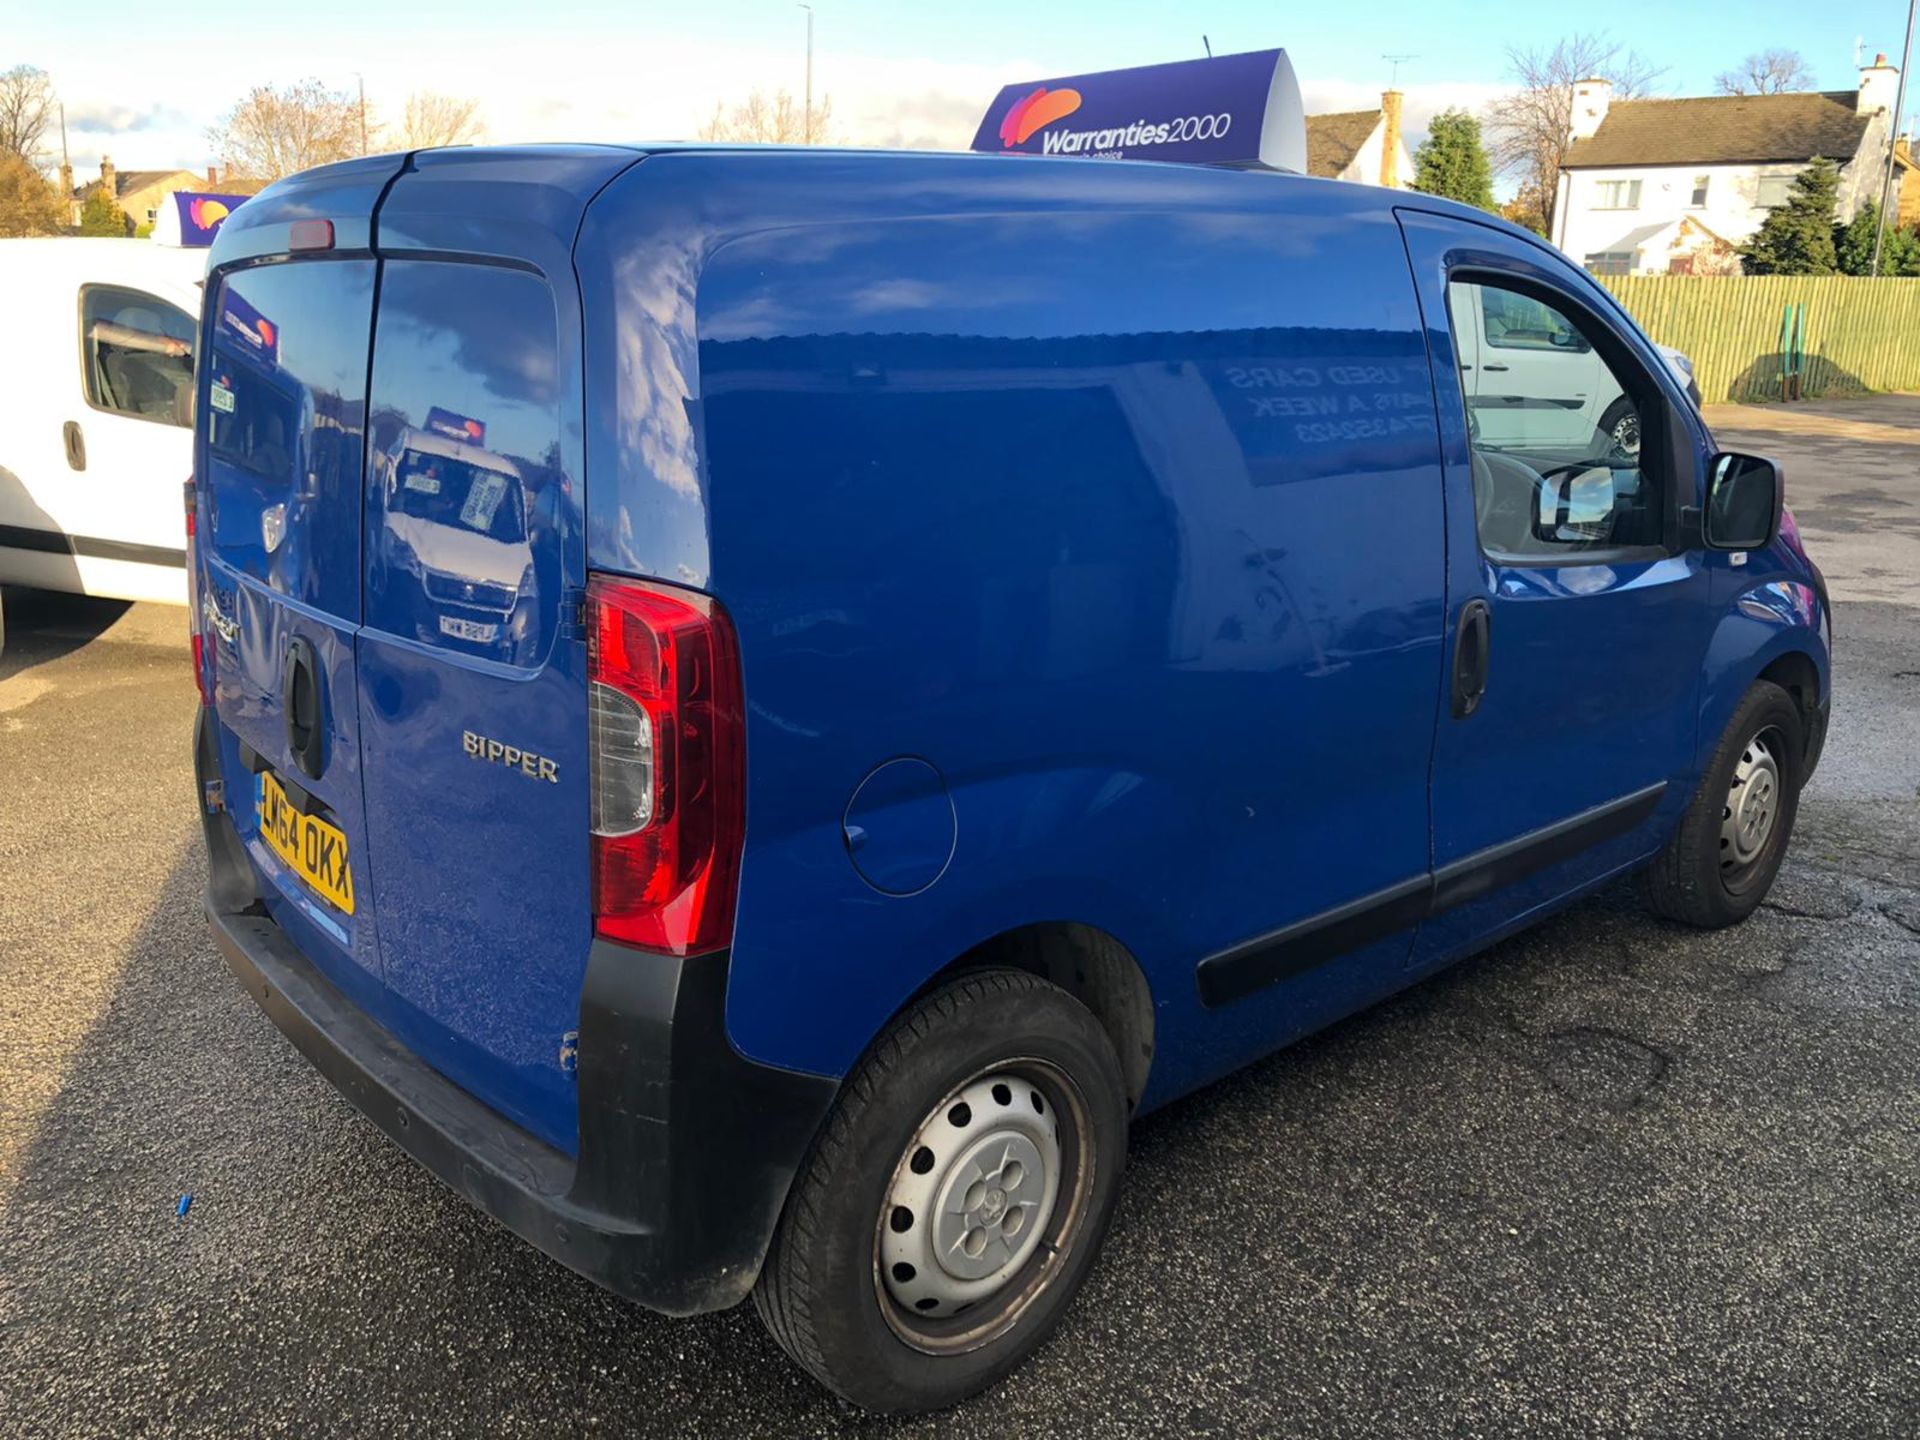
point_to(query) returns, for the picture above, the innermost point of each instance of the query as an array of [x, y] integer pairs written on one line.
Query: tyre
[[1720, 863], [955, 1198], [1621, 427]]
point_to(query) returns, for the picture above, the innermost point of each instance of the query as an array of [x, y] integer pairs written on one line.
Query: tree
[[28, 205], [1452, 161], [1767, 72], [1531, 126], [779, 121], [431, 119], [1853, 245], [1797, 238], [273, 133], [100, 216], [26, 110], [1527, 209]]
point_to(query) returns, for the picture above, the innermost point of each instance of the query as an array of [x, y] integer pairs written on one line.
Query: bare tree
[[28, 204], [26, 111], [1767, 72], [432, 119], [274, 132], [781, 120], [1531, 127]]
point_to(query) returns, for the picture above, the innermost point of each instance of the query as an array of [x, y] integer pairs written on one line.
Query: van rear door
[[473, 663], [279, 460]]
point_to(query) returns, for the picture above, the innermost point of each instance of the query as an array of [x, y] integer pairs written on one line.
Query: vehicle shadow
[[44, 625]]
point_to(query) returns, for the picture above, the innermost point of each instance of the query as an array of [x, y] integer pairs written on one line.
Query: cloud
[[88, 117]]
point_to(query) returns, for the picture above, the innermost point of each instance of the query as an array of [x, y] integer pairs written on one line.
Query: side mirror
[[1575, 506], [1744, 499]]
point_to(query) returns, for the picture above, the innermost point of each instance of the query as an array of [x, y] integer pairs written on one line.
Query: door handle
[[1496, 367], [1470, 655], [301, 707], [76, 445]]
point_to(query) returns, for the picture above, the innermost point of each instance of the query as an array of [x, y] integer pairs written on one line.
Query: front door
[[1578, 623], [125, 443]]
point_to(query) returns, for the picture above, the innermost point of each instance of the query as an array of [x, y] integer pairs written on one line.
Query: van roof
[[560, 180], [81, 259]]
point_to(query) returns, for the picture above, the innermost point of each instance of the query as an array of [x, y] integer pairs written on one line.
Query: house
[[140, 193], [1363, 145], [1656, 186]]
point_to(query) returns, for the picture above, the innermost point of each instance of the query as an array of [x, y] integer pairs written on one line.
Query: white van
[[1533, 382], [96, 438]]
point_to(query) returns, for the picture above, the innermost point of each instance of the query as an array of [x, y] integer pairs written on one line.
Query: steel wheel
[[1625, 435], [1752, 807], [984, 1199]]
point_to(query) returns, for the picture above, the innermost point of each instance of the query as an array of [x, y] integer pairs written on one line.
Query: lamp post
[[1893, 142], [806, 116]]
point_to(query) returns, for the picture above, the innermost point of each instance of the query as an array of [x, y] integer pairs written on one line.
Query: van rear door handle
[[1470, 647], [303, 708]]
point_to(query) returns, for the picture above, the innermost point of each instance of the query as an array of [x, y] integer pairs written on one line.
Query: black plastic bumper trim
[[687, 1149], [1251, 966]]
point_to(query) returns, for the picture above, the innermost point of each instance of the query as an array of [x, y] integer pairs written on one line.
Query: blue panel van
[[759, 706]]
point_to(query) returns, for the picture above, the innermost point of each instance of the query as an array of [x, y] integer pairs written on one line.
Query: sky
[[142, 82]]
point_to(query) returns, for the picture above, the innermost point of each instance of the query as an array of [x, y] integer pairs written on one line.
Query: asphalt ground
[[1611, 1177]]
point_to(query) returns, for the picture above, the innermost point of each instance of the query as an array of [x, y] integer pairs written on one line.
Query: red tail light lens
[[666, 730], [196, 623]]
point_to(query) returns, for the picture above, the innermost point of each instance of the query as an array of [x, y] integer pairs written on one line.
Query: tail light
[[196, 622], [666, 735]]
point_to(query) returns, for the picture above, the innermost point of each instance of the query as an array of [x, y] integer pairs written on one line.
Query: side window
[[1519, 322], [137, 351], [1555, 434]]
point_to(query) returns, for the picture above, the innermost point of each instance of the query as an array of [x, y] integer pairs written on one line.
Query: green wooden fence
[[1861, 334]]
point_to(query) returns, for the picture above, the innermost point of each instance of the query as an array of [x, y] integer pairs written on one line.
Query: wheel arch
[[1090, 965], [1770, 633]]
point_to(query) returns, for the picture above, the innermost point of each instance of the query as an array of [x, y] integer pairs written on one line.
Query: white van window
[[137, 354], [1557, 463], [1519, 322]]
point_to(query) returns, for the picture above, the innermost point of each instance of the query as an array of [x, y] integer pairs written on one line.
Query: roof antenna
[[1396, 61], [1209, 44]]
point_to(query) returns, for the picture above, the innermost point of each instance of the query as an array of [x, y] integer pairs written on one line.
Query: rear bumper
[[687, 1150]]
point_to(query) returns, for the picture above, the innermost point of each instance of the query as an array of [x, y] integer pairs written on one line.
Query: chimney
[[1879, 85], [1390, 139], [1591, 97], [106, 178], [213, 177]]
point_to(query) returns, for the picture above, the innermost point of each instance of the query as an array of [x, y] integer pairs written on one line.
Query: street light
[[806, 120], [1889, 197]]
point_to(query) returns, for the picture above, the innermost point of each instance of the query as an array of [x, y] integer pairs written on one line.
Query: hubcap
[[971, 1197], [1753, 804], [1626, 434]]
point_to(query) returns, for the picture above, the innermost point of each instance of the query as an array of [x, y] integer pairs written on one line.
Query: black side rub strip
[[53, 542], [1237, 972]]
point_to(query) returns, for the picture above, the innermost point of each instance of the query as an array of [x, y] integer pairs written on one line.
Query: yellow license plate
[[311, 848]]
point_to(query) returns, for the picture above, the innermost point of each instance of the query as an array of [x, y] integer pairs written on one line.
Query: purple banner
[[1233, 110], [456, 427], [256, 333], [192, 218]]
